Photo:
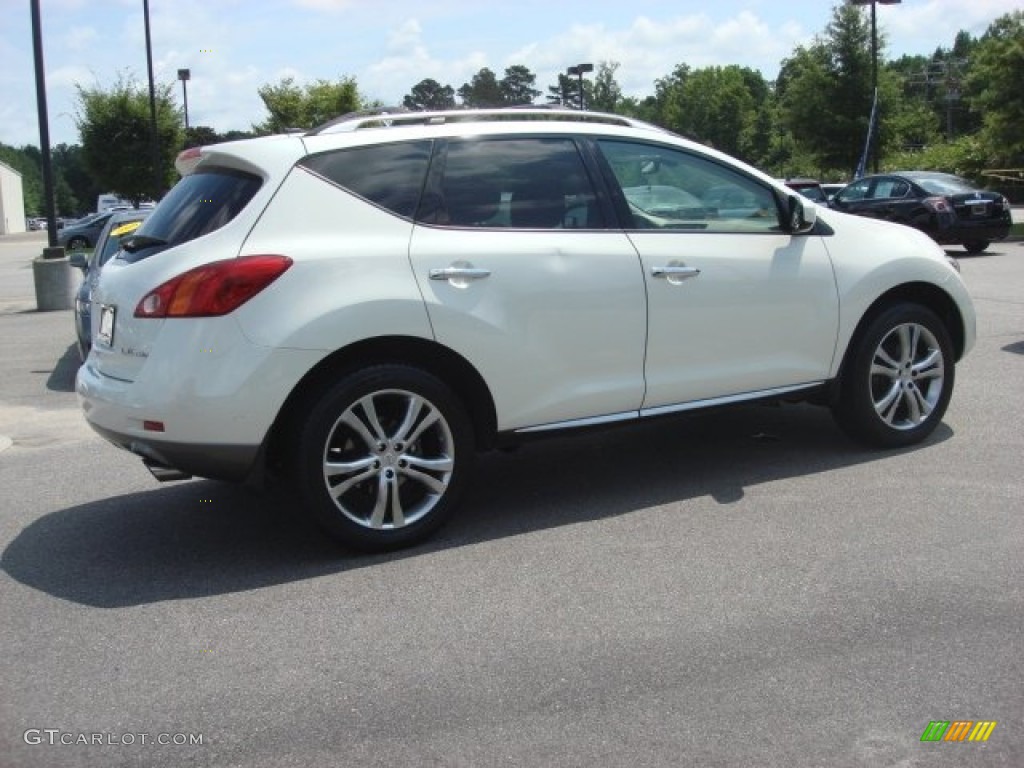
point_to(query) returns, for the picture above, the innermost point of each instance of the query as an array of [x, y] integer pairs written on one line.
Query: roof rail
[[386, 117], [373, 112]]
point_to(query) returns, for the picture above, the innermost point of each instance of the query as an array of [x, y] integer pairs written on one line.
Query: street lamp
[[874, 59], [154, 133], [185, 75], [579, 70]]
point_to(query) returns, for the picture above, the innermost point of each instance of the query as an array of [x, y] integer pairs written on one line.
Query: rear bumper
[[205, 411], [965, 231], [234, 463]]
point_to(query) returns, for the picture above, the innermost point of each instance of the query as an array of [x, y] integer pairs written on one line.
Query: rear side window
[[388, 175], [521, 183], [200, 203]]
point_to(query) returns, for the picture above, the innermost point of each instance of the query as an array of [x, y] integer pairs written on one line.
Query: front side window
[[388, 175], [671, 189], [521, 183]]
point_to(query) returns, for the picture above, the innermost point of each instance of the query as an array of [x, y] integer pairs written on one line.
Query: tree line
[[957, 110]]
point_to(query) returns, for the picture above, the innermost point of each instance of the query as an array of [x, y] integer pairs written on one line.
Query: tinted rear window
[[200, 203], [944, 185], [388, 175]]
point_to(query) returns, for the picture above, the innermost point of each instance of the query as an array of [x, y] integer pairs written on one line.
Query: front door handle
[[460, 274], [675, 274], [466, 273]]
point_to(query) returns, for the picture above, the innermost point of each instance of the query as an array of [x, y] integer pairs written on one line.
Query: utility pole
[[874, 69]]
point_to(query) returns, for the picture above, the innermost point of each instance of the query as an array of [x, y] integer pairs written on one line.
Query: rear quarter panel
[[351, 278]]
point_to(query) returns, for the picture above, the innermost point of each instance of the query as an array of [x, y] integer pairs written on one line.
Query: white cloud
[[234, 46], [80, 39], [325, 5]]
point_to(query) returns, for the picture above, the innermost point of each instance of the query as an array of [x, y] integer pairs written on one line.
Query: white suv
[[367, 305]]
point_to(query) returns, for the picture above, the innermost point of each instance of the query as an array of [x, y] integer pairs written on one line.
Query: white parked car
[[365, 306]]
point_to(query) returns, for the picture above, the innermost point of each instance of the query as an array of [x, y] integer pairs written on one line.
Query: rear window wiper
[[135, 242]]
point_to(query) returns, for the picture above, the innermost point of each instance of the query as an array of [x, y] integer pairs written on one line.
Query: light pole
[[154, 138], [579, 70], [44, 126], [185, 75], [874, 61]]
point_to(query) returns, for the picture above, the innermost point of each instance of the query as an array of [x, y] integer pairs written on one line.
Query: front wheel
[[78, 243], [382, 457], [898, 379], [976, 246]]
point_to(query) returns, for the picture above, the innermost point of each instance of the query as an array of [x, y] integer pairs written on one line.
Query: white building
[[12, 201]]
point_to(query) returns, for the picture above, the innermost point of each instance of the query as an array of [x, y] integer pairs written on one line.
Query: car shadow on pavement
[[204, 538], [62, 377]]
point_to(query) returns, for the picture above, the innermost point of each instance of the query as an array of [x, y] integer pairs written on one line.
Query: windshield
[[199, 204], [113, 242]]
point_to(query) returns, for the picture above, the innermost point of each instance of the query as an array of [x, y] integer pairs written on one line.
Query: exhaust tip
[[164, 473]]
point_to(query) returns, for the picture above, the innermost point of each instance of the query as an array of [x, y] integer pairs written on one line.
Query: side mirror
[[77, 259], [800, 219], [649, 166]]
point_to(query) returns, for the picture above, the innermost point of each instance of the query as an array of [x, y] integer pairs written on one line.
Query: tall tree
[[293, 106], [720, 108], [428, 95], [826, 91], [120, 118], [516, 87], [667, 109], [75, 187], [26, 161], [566, 92], [200, 136], [606, 94], [994, 88], [482, 91]]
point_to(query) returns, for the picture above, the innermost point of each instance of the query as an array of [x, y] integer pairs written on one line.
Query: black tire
[[897, 379], [391, 493], [77, 243], [976, 246]]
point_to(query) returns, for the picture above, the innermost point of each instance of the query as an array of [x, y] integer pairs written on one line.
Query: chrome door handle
[[675, 273], [459, 273]]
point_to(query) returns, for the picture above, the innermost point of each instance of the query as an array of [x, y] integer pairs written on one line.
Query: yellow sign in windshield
[[125, 228]]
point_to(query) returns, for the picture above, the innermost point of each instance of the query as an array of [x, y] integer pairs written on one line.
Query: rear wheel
[[383, 456], [897, 383], [976, 246]]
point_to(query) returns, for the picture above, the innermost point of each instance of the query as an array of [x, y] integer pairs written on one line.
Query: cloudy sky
[[234, 46]]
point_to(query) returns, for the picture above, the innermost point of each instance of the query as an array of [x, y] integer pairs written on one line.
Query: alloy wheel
[[388, 459], [906, 376]]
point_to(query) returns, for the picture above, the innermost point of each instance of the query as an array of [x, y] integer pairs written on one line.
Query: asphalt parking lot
[[744, 588]]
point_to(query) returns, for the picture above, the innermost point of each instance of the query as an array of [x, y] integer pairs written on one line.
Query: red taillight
[[213, 289], [938, 204]]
